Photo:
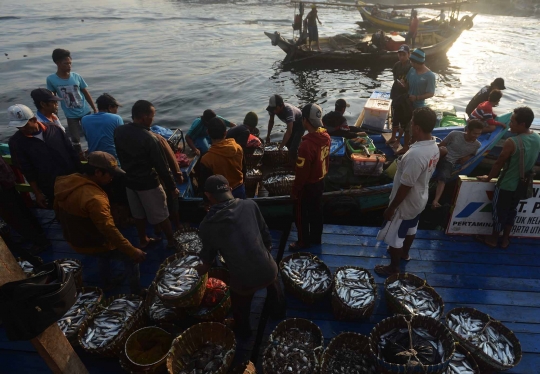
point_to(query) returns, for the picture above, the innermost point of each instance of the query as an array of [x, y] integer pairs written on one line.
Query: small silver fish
[[415, 300], [76, 315], [354, 288], [179, 277], [308, 273]]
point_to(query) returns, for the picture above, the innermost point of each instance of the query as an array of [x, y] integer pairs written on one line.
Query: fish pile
[[350, 361], [254, 173], [489, 340], [27, 267], [459, 365], [281, 359], [207, 359], [275, 148], [159, 312], [416, 300], [108, 323], [189, 241], [394, 347], [353, 287], [297, 338], [83, 307], [69, 266], [279, 178], [179, 276], [310, 274], [185, 237]]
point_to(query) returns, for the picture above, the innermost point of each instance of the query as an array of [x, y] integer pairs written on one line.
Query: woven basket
[[151, 297], [220, 311], [194, 338], [251, 178], [395, 304], [244, 368], [346, 313], [159, 366], [77, 275], [189, 299], [295, 289], [485, 362], [279, 188], [434, 327], [269, 363], [275, 158], [182, 247], [470, 359], [74, 337], [116, 344], [253, 156], [357, 342]]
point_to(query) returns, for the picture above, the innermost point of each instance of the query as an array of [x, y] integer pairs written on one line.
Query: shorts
[[313, 32], [149, 204], [394, 232], [444, 170], [504, 208]]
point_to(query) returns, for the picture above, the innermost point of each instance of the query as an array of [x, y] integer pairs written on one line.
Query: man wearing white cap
[[292, 117], [41, 152]]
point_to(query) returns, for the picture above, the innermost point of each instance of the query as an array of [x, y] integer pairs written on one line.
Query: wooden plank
[[484, 283]]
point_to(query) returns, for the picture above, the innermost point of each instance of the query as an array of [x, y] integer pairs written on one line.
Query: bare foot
[[505, 243], [435, 205]]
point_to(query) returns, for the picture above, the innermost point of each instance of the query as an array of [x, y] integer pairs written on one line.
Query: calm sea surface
[[186, 57]]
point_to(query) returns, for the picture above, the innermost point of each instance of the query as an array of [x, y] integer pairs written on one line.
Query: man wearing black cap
[[311, 167], [399, 71], [197, 137], [483, 95], [336, 124], [236, 229], [47, 107], [83, 209], [290, 115], [99, 127]]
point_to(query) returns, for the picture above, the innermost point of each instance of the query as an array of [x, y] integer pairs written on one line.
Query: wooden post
[[51, 345]]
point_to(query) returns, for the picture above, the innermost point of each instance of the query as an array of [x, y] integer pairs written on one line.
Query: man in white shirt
[[410, 191]]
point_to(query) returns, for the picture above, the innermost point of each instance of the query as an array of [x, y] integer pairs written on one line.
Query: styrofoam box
[[376, 112], [380, 95]]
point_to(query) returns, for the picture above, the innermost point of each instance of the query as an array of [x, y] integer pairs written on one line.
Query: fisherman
[[99, 127], [46, 104], [410, 191], [413, 29], [83, 210], [290, 115], [526, 146], [225, 157], [145, 164], [311, 168], [41, 153], [197, 137], [442, 16], [484, 112], [241, 134], [399, 71], [336, 124], [236, 229], [483, 94], [72, 88], [461, 146], [312, 18]]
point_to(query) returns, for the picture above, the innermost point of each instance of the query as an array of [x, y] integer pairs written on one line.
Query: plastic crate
[[364, 165], [337, 150], [351, 148]]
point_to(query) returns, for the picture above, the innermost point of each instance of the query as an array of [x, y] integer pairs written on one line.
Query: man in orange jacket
[[311, 167]]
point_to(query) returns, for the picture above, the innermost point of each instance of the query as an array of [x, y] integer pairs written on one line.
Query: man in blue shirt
[[99, 127], [197, 136], [71, 87], [47, 107]]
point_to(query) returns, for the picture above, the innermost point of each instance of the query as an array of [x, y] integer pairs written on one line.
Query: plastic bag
[[215, 291]]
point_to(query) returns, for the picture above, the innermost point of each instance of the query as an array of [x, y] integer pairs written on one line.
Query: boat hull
[[394, 25]]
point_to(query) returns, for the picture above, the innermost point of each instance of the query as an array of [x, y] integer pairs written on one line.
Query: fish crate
[[376, 113], [486, 363], [397, 307], [113, 348], [371, 165], [353, 145], [189, 299], [279, 183], [244, 368], [171, 316], [337, 150], [431, 325], [254, 156], [295, 289], [73, 338], [77, 273], [344, 312], [273, 157], [221, 310], [353, 342], [194, 338], [153, 337]]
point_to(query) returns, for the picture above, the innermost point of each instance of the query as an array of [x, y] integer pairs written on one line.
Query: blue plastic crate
[[337, 149]]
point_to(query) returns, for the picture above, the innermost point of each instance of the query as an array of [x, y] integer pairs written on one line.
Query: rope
[[411, 352]]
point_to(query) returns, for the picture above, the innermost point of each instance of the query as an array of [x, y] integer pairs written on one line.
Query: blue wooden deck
[[504, 284]]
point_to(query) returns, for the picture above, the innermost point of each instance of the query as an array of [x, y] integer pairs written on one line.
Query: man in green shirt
[[505, 200]]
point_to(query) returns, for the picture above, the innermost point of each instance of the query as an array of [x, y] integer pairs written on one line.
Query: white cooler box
[[376, 113]]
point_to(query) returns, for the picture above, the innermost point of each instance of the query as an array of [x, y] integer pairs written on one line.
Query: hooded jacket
[[225, 157], [83, 209], [313, 160], [236, 229]]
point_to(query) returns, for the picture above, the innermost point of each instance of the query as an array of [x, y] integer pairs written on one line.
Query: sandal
[[383, 271], [295, 246], [482, 239], [151, 241]]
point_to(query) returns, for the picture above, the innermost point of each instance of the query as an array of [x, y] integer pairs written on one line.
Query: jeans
[[131, 269], [75, 132]]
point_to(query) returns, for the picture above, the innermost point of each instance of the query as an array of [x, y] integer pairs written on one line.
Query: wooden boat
[[385, 20]]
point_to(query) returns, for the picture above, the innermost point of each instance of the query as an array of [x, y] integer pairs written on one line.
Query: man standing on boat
[[399, 71], [483, 95], [290, 115], [413, 29], [312, 18], [517, 158], [410, 191]]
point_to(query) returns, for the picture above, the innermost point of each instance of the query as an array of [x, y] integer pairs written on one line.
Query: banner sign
[[472, 211]]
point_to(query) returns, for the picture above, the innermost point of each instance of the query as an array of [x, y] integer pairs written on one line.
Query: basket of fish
[[105, 332], [411, 344], [306, 277], [273, 156], [216, 302], [348, 353], [207, 347], [279, 183], [253, 156], [295, 346], [146, 351], [26, 266], [88, 299], [462, 362], [178, 283], [408, 294], [493, 345], [354, 293], [71, 265], [187, 240], [252, 177], [157, 311], [244, 368]]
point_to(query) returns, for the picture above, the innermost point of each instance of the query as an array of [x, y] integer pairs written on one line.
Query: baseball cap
[[19, 115], [104, 160], [43, 94], [499, 83], [418, 56], [218, 186], [313, 113], [107, 100], [274, 101], [404, 48]]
